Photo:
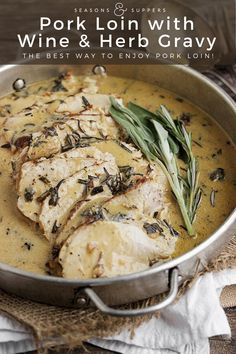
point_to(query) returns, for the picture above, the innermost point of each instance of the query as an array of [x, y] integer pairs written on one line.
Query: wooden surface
[[221, 345]]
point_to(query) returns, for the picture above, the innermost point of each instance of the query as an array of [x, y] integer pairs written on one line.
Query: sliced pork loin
[[37, 178], [65, 132], [75, 198], [29, 120], [110, 248], [146, 205], [39, 111], [105, 212], [105, 249], [141, 210], [82, 101], [80, 187], [76, 131], [82, 212], [146, 196]]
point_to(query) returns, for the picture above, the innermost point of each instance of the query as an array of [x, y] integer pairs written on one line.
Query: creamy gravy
[[22, 246]]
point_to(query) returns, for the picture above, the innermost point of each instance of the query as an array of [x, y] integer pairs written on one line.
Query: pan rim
[[229, 222]]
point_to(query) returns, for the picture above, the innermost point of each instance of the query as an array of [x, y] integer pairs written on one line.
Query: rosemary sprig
[[161, 139], [179, 132]]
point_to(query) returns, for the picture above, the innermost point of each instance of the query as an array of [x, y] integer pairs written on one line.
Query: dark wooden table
[[221, 345]]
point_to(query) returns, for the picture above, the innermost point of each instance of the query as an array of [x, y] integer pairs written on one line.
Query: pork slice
[[77, 103], [82, 186], [37, 177], [105, 249]]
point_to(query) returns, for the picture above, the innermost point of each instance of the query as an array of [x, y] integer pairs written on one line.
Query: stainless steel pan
[[157, 279]]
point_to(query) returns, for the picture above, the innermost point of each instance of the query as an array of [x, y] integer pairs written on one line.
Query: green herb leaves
[[162, 139]]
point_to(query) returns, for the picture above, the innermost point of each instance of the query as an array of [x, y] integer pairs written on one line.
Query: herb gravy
[[24, 247]]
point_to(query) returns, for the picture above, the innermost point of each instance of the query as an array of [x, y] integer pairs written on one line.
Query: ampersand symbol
[[83, 43], [119, 9]]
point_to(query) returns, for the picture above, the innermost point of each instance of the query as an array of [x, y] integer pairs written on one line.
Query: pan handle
[[173, 287]]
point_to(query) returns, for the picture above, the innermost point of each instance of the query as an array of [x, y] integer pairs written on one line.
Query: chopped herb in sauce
[[54, 194], [79, 127], [155, 215], [117, 184], [50, 131], [29, 194], [97, 190], [218, 152], [123, 146], [27, 245], [82, 181], [43, 196], [44, 180], [217, 175], [119, 217], [197, 143], [22, 141], [171, 229], [74, 140], [94, 214], [55, 227], [152, 228], [213, 198], [55, 251], [179, 99], [186, 118], [86, 103], [58, 86], [128, 171], [6, 146]]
